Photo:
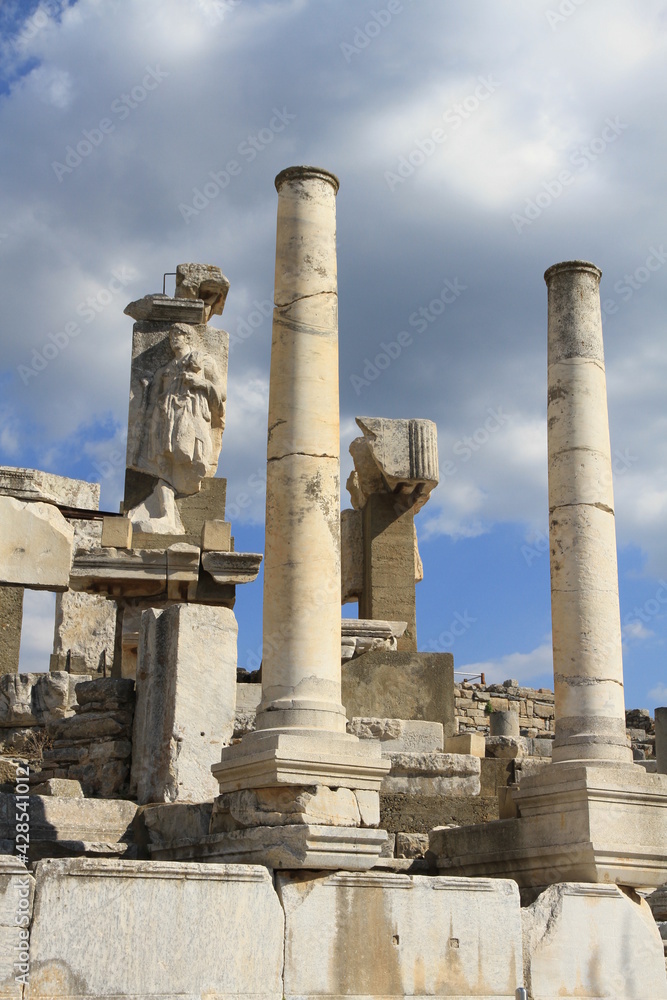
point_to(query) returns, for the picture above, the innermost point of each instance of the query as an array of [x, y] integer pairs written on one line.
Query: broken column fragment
[[396, 467]]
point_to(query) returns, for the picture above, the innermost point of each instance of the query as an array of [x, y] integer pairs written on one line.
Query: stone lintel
[[154, 572], [164, 308]]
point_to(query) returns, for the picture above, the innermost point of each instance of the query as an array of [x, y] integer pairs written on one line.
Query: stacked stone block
[[534, 707], [94, 746]]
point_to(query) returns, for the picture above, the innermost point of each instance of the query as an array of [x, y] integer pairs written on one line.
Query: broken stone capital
[[205, 282], [399, 457]]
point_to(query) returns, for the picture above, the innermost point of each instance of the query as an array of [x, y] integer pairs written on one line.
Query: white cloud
[[525, 667]]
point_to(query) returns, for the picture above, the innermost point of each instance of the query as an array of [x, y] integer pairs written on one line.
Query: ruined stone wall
[[535, 707]]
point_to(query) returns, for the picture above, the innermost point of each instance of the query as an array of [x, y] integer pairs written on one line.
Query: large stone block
[[55, 818], [35, 546], [176, 931], [186, 691], [433, 774], [592, 941], [396, 685], [387, 935], [400, 735], [16, 901], [413, 812], [33, 484], [616, 830]]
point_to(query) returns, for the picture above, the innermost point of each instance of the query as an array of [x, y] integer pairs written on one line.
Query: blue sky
[[475, 144]]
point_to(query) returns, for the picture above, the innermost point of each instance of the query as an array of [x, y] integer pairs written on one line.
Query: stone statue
[[185, 407]]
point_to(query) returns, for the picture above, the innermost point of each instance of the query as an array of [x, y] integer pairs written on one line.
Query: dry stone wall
[[473, 702]]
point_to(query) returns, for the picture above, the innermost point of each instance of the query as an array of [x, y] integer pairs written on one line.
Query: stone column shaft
[[588, 665], [301, 664]]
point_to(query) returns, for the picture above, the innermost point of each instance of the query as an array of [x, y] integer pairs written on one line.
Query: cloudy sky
[[476, 144]]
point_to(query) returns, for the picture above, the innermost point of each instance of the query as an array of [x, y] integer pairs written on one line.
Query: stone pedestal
[[186, 696], [389, 566], [300, 744]]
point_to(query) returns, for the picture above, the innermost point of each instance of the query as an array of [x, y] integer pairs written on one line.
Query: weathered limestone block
[[411, 845], [85, 624], [315, 804], [11, 617], [56, 818], [178, 931], [186, 690], [35, 546], [36, 699], [205, 282], [416, 686], [584, 940], [33, 484], [433, 774], [382, 935], [361, 635], [400, 735], [468, 743], [17, 888]]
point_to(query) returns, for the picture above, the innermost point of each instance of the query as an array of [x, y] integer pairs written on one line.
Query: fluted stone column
[[301, 664], [588, 665]]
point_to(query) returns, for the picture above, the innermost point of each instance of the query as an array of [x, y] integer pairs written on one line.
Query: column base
[[295, 846], [267, 758], [576, 824]]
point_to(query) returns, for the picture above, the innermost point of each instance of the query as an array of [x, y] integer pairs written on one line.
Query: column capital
[[572, 265], [304, 174]]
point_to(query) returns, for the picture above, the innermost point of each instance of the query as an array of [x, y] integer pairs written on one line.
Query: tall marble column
[[588, 663], [301, 664], [300, 792]]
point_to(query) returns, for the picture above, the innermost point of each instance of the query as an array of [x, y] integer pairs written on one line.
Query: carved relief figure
[[185, 407], [187, 402]]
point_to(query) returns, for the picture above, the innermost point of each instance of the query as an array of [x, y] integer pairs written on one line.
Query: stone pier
[[300, 792], [588, 660], [616, 829]]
